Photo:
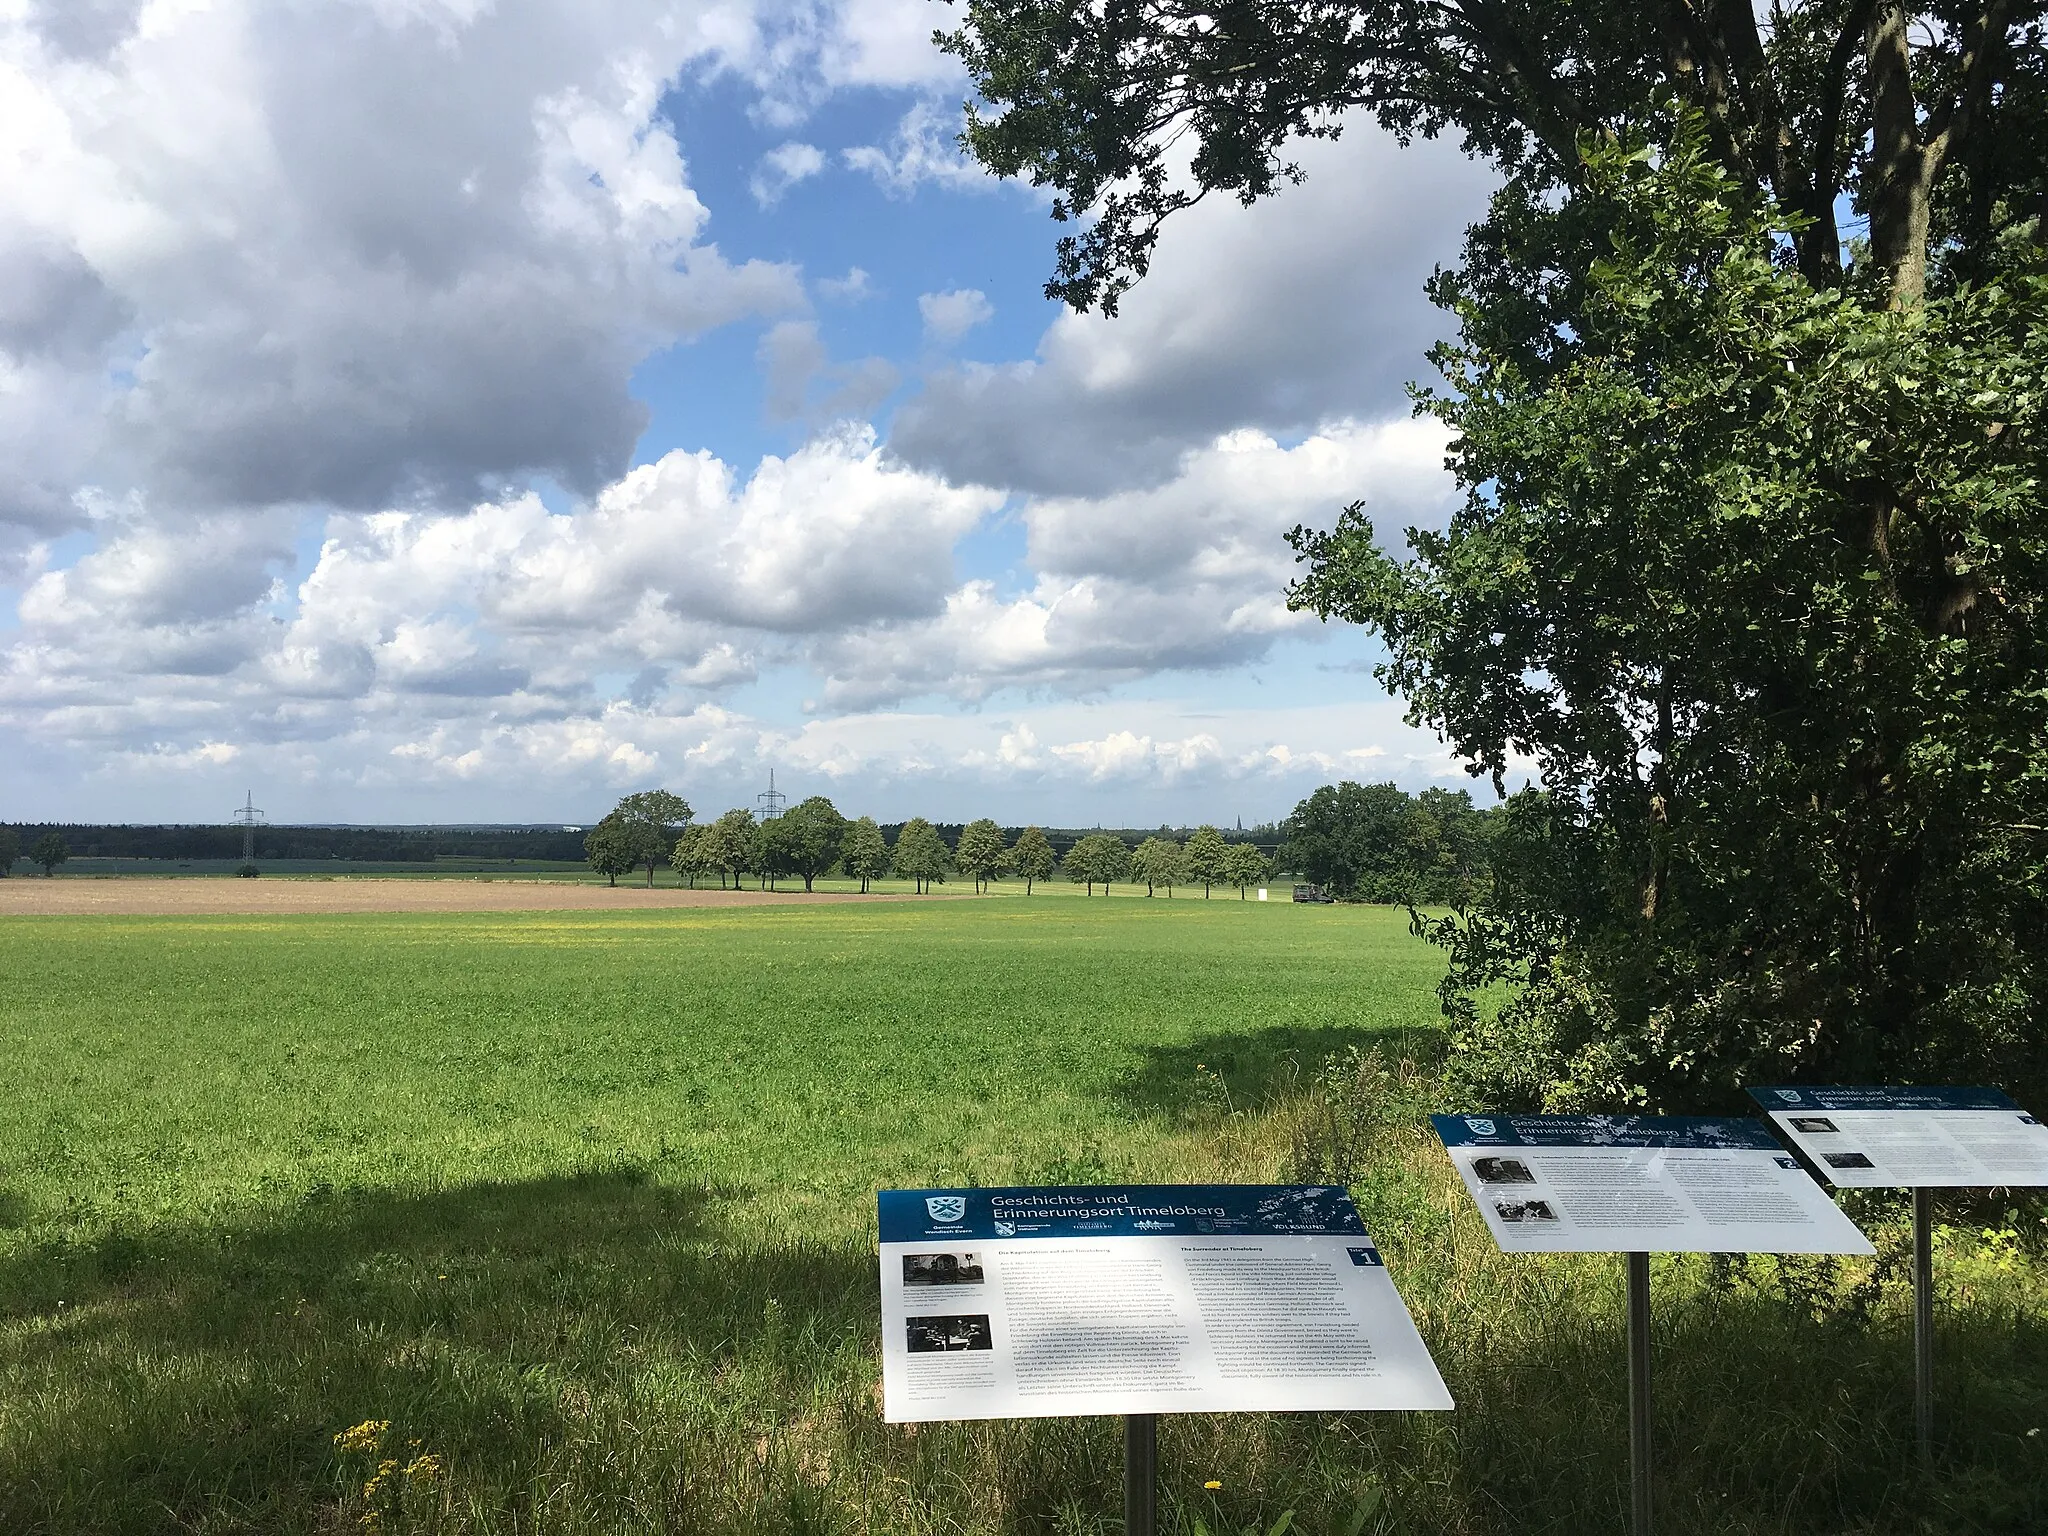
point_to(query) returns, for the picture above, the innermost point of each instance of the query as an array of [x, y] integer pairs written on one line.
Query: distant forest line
[[427, 844]]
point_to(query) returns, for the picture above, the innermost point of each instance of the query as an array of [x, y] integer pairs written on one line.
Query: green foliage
[[1374, 842], [1031, 857], [1206, 857], [1926, 122], [981, 852], [612, 847], [920, 853], [10, 850], [1100, 858], [809, 835], [652, 819], [1754, 572], [50, 851], [1156, 862], [770, 852], [1751, 566], [694, 854], [728, 845], [864, 851], [1245, 866]]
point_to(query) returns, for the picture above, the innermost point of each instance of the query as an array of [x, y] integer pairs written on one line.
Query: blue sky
[[453, 410]]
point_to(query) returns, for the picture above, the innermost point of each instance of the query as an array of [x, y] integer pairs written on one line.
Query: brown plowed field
[[152, 897]]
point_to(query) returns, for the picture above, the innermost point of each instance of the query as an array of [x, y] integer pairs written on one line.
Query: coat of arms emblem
[[946, 1208]]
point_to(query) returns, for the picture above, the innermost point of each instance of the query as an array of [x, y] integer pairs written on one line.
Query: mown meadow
[[564, 1223]]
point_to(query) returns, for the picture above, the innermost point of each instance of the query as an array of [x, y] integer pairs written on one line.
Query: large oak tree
[[1747, 405]]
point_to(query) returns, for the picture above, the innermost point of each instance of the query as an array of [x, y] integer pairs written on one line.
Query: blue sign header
[[1693, 1131], [1118, 1210], [1837, 1096]]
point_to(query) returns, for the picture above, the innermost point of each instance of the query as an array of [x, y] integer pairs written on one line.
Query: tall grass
[[564, 1224]]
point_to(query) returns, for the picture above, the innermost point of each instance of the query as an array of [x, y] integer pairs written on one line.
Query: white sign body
[[1028, 1303], [1901, 1138], [1641, 1184]]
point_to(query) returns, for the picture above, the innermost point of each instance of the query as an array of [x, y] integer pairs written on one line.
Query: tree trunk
[[1906, 158]]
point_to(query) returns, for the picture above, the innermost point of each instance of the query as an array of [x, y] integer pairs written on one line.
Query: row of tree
[[654, 827]]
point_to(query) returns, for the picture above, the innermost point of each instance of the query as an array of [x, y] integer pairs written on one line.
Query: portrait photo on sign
[[1810, 1125], [1846, 1160], [944, 1335], [1525, 1210], [1502, 1170], [942, 1269]]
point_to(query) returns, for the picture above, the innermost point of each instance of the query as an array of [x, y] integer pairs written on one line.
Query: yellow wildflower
[[366, 1436]]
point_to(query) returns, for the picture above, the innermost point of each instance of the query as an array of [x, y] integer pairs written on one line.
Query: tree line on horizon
[[811, 838], [1356, 842]]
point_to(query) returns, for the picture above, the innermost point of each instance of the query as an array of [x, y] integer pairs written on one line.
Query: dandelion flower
[[1212, 1485]]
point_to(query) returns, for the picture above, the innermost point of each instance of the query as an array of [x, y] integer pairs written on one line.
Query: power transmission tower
[[772, 799], [249, 819]]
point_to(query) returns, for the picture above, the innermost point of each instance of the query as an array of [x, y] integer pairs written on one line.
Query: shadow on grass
[[1258, 1066], [612, 1353], [580, 1333]]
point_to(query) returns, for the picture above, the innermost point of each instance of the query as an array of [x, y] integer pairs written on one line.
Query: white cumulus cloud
[[782, 168], [950, 315]]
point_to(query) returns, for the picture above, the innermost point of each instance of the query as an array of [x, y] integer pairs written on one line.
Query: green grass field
[[575, 1213]]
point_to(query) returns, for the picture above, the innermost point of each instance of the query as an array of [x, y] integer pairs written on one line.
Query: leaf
[[1368, 1506], [1283, 1524]]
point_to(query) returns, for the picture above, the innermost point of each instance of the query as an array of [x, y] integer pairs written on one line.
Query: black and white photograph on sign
[[1502, 1170], [942, 1269], [1642, 1184], [1905, 1137], [947, 1335]]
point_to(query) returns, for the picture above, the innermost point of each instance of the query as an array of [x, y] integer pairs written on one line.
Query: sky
[[458, 411]]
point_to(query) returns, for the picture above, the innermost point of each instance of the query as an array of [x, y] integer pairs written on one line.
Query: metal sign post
[[1141, 1474], [1639, 1393], [1923, 1320], [1921, 1138]]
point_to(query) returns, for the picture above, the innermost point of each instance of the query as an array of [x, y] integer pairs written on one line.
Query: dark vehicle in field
[[1312, 893]]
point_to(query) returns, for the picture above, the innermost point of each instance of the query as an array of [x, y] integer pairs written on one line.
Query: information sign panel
[[1899, 1138], [1641, 1184], [1139, 1299]]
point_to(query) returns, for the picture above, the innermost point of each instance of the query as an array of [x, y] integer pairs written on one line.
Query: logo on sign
[[1479, 1127], [1006, 1229], [1789, 1095], [946, 1208]]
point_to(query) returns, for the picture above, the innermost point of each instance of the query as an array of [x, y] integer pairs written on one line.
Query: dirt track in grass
[[157, 897]]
